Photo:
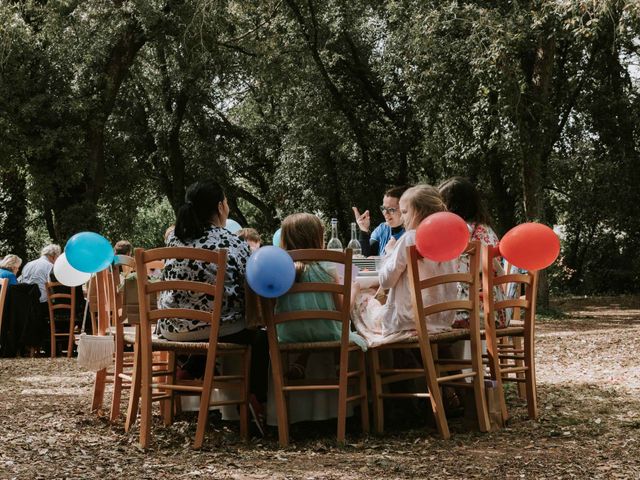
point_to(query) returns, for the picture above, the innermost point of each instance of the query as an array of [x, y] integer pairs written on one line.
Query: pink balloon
[[442, 236], [531, 246]]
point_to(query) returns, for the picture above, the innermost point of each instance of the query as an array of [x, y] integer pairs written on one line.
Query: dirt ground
[[589, 426]]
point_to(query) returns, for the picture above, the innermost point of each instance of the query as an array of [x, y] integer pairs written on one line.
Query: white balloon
[[232, 225], [67, 275]]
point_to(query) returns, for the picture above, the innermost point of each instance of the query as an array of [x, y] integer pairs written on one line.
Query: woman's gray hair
[[51, 250], [10, 261]]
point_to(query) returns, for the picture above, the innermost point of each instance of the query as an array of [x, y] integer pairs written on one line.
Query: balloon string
[[86, 305]]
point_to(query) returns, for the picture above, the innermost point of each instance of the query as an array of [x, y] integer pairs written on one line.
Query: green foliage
[[113, 109]]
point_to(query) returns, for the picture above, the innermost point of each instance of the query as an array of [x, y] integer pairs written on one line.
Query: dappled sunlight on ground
[[589, 424]]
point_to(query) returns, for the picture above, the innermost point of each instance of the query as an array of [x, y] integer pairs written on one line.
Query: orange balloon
[[442, 236], [531, 246]]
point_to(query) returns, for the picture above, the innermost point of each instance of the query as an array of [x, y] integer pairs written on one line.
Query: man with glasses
[[384, 235]]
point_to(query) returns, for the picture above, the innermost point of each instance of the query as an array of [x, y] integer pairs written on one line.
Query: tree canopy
[[109, 110]]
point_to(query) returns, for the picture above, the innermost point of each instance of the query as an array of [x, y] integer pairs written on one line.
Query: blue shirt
[[10, 275], [382, 234]]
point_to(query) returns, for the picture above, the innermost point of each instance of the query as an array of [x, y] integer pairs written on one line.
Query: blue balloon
[[276, 238], [270, 271], [232, 225], [89, 252]]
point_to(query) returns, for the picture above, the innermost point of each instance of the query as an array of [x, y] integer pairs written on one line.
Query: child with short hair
[[251, 236]]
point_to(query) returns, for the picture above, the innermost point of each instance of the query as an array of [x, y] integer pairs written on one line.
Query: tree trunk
[[535, 131], [13, 213], [77, 207]]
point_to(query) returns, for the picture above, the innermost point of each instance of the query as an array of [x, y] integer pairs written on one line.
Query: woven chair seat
[[441, 337], [455, 335], [168, 345], [313, 346]]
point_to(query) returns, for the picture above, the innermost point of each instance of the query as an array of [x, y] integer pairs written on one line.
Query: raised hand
[[363, 220]]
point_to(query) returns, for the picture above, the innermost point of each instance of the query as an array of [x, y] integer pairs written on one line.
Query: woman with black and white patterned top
[[200, 224]]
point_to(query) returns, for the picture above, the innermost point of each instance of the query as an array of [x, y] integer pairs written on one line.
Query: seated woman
[[9, 267], [200, 224], [381, 320], [389, 231], [463, 199]]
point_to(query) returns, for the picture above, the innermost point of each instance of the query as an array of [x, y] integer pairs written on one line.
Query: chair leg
[[522, 387], [72, 326], [364, 402], [205, 401], [118, 368], [244, 406], [134, 396], [116, 396], [478, 387], [342, 397], [434, 390], [493, 354], [98, 390], [530, 378], [376, 391], [146, 394], [52, 329], [167, 406], [281, 403]]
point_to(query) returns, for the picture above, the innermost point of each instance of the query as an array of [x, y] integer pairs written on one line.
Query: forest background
[[109, 109]]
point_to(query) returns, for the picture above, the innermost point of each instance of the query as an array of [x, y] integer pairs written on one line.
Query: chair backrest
[[106, 303], [523, 281], [122, 266], [471, 278], [146, 288], [4, 284], [340, 291], [61, 297]]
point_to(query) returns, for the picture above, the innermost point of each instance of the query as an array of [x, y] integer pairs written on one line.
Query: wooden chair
[[123, 361], [144, 389], [283, 386], [63, 305], [101, 306], [436, 371], [106, 302], [513, 290], [511, 350], [111, 314], [4, 284]]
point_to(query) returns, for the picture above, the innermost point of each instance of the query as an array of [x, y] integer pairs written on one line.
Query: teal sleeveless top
[[309, 330]]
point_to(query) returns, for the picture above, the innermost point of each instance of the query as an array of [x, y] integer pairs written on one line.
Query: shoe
[[257, 414], [182, 374], [296, 372], [453, 406]]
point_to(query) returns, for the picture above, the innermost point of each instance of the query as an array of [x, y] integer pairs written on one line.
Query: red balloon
[[442, 236], [531, 246]]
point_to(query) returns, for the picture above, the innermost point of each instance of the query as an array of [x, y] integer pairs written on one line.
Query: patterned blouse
[[232, 318], [486, 236]]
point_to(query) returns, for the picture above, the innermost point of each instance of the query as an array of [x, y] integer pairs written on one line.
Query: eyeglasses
[[389, 210]]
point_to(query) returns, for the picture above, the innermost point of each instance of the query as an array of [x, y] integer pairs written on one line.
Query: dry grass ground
[[589, 427]]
